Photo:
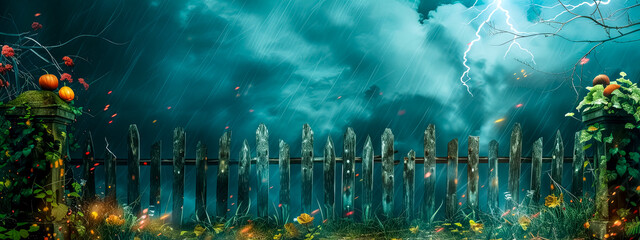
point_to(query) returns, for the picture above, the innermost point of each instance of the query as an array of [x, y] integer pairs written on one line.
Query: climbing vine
[[618, 100]]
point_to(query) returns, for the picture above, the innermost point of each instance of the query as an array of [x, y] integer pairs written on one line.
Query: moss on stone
[[38, 98]]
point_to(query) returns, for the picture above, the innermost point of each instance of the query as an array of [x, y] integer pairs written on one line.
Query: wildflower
[[7, 51], [114, 220], [524, 222], [587, 225], [8, 67], [291, 229], [551, 201], [68, 61], [66, 76], [414, 229], [277, 236], [305, 219], [476, 227], [94, 214], [36, 26]]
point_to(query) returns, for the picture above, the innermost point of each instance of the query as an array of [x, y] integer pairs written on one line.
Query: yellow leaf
[[458, 224], [524, 222], [305, 219], [183, 233], [585, 164], [7, 183], [198, 230], [592, 128], [218, 228], [414, 229]]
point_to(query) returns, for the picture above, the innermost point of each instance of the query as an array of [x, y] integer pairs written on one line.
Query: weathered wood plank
[[201, 182], [452, 179], [222, 180], [409, 182], [348, 173], [556, 164], [428, 197], [133, 186], [155, 181], [89, 169], [494, 184], [329, 169], [244, 171], [179, 145], [110, 175], [515, 158], [536, 170], [285, 177], [578, 166], [367, 179], [307, 168], [262, 167], [387, 173], [472, 173]]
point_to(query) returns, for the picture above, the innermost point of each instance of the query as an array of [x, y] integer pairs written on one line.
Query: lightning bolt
[[495, 6]]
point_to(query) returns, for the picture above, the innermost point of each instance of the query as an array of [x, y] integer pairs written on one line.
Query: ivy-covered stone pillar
[[38, 128], [614, 155]]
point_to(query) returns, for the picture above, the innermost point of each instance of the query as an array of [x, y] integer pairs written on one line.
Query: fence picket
[[472, 173], [307, 168], [536, 170], [329, 168], [201, 182], [110, 176], [222, 178], [133, 186], [409, 179], [452, 179], [557, 159], [244, 169], [262, 166], [429, 199], [515, 158], [367, 178], [179, 145], [89, 169], [155, 183], [348, 175], [285, 177], [578, 167], [494, 184], [387, 173]]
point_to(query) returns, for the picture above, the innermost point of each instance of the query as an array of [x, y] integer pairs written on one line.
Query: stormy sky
[[213, 66]]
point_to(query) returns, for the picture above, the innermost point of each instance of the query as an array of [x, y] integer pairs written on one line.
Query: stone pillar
[[46, 110], [608, 198]]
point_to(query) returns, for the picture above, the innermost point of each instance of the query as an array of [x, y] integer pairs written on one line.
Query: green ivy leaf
[[629, 126], [585, 136], [585, 147], [608, 139], [34, 228], [633, 172], [621, 169]]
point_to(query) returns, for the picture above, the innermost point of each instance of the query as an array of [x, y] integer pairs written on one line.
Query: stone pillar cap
[[44, 105]]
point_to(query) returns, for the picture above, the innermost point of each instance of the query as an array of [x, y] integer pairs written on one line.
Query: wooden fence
[[424, 209]]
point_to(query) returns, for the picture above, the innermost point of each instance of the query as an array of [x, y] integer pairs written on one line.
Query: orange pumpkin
[[602, 80], [66, 93], [48, 82], [609, 89]]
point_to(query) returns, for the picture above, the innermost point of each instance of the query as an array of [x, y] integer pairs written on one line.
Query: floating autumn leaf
[[60, 211], [592, 128], [551, 201], [569, 114], [8, 51], [291, 229], [524, 222], [305, 219], [198, 230], [476, 227], [68, 61], [414, 229]]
